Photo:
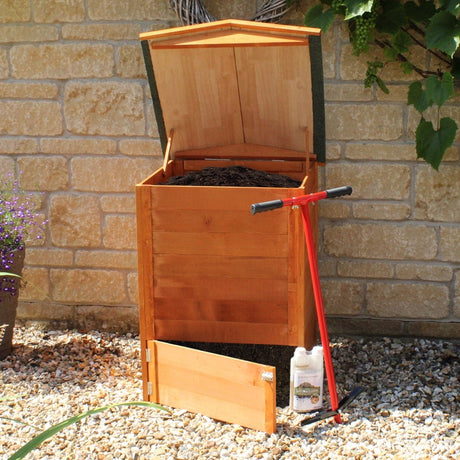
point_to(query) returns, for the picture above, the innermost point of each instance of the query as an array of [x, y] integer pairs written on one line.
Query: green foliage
[[397, 27], [43, 436]]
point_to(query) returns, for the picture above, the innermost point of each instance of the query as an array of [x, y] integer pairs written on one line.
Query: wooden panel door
[[224, 388]]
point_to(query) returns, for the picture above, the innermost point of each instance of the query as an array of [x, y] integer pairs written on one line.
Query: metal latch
[[148, 355], [149, 388], [267, 376]]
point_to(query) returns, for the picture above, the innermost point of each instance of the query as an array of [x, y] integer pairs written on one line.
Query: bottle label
[[307, 391]]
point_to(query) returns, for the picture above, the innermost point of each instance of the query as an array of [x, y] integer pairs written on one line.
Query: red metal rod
[[319, 303]]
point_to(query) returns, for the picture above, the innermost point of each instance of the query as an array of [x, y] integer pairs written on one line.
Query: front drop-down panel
[[227, 389]]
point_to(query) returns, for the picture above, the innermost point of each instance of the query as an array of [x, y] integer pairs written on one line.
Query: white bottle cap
[[317, 350]]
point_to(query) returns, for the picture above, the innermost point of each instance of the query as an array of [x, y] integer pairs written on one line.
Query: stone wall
[[76, 118]]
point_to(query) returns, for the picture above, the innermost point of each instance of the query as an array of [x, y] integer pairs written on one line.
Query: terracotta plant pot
[[9, 303]]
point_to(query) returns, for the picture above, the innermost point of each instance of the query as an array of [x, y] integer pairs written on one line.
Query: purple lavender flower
[[19, 222]]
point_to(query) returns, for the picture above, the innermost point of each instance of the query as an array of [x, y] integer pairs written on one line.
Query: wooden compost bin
[[227, 93]]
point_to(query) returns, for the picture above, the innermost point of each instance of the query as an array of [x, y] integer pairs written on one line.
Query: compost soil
[[234, 176], [273, 355]]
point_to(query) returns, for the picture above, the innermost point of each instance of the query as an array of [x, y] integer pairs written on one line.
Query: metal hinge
[[149, 388], [148, 355]]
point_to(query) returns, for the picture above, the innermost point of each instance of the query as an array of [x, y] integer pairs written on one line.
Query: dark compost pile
[[234, 176]]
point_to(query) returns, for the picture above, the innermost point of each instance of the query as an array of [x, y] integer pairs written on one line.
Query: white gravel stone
[[409, 410]]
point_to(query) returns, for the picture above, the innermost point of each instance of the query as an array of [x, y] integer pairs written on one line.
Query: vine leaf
[[392, 18], [443, 33], [453, 6], [420, 13], [439, 91], [418, 97], [316, 17], [431, 144], [357, 8]]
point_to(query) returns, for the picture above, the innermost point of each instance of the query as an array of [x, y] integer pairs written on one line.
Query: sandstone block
[[398, 93], [59, 11], [106, 108], [78, 146], [106, 259], [120, 232], [334, 210], [102, 174], [450, 247], [378, 211], [327, 267], [350, 92], [75, 221], [6, 166], [328, 43], [371, 181], [30, 118], [133, 291], [407, 300], [28, 91], [49, 257], [437, 194], [4, 69], [130, 63], [15, 11], [364, 326], [380, 151], [359, 269], [365, 121], [44, 311], [118, 204], [17, 146], [54, 173], [424, 272], [342, 297], [26, 33], [381, 241], [113, 319], [62, 61], [438, 329], [114, 10], [101, 32], [36, 284], [457, 295], [103, 287], [333, 151], [143, 147]]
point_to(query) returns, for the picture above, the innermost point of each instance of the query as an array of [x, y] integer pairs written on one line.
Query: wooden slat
[[244, 311], [145, 273], [224, 388], [216, 221], [222, 332], [278, 107], [221, 288], [221, 244], [221, 267], [236, 198], [243, 151], [199, 96]]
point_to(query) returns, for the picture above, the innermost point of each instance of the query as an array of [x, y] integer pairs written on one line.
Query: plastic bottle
[[307, 379]]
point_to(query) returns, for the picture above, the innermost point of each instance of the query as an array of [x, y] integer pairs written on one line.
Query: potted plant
[[19, 222]]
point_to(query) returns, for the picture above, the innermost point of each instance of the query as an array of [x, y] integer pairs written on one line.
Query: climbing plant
[[398, 27]]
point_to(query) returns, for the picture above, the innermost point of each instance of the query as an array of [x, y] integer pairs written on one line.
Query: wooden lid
[[234, 82]]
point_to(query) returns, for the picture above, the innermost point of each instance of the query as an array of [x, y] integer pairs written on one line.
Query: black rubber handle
[[339, 191], [266, 206]]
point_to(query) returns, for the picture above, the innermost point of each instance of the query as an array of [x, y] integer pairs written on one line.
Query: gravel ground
[[410, 408]]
